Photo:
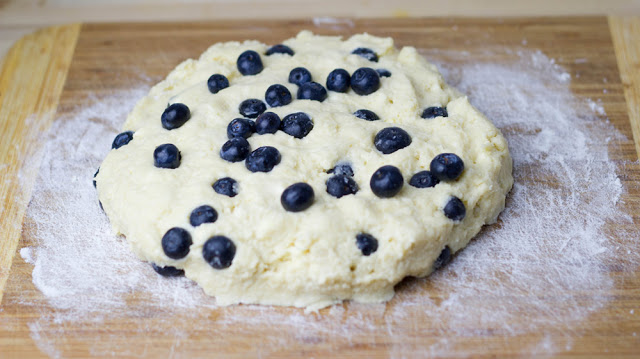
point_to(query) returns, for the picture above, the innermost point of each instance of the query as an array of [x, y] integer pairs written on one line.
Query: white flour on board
[[515, 278]]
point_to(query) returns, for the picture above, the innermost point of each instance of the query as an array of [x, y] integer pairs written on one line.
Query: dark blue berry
[[219, 252], [175, 116], [122, 139], [249, 63], [297, 124], [279, 49], [341, 185], [166, 156], [226, 186], [338, 80], [386, 182], [312, 91], [391, 139], [423, 179], [343, 169], [94, 177], [433, 112], [277, 95], [235, 150], [366, 53], [268, 122], [252, 108], [297, 197], [447, 166], [454, 209], [299, 76], [263, 159], [367, 115], [217, 82], [365, 81], [443, 259], [203, 214], [240, 127], [176, 243], [366, 243], [384, 72], [167, 271]]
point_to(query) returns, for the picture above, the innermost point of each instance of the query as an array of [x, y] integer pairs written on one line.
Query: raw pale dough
[[309, 258]]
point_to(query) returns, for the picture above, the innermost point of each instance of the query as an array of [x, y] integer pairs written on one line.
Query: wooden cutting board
[[48, 74]]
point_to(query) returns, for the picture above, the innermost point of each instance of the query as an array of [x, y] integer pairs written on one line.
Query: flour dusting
[[517, 277]]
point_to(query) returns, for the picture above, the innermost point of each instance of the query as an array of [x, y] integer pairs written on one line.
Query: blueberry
[[176, 243], [367, 115], [366, 243], [383, 72], [338, 80], [240, 127], [235, 150], [226, 186], [365, 81], [423, 179], [217, 82], [263, 159], [94, 177], [203, 214], [443, 259], [299, 76], [433, 112], [122, 139], [454, 209], [167, 271], [277, 95], [175, 116], [341, 185], [297, 197], [268, 122], [391, 139], [252, 108], [249, 63], [366, 53], [297, 124], [312, 91], [343, 169], [386, 182], [447, 166], [166, 156], [279, 49], [219, 251]]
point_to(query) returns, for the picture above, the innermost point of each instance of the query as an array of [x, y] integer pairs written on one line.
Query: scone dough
[[308, 258]]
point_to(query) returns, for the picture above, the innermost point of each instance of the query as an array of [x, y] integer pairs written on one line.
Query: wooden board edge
[[32, 77], [625, 34]]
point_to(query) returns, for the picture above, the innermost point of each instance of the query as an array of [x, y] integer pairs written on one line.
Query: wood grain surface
[[108, 58]]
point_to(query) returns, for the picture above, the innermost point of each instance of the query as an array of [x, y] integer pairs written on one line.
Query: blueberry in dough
[[297, 197], [433, 112], [312, 91], [366, 53], [166, 156], [122, 139], [226, 186], [342, 169], [366, 243], [167, 271], [423, 179], [263, 159], [279, 49], [299, 76], [252, 108], [443, 259], [175, 116], [365, 81], [297, 124], [384, 72], [454, 209], [390, 139], [386, 181], [240, 127], [176, 243], [277, 95], [447, 166], [219, 252], [249, 63], [217, 82], [338, 80], [203, 214], [366, 115], [235, 150], [268, 122], [341, 185]]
